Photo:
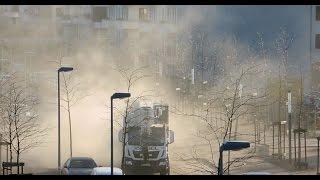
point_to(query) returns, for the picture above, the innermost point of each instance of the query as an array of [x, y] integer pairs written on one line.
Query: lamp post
[[230, 146], [61, 69], [289, 123], [179, 101], [115, 96]]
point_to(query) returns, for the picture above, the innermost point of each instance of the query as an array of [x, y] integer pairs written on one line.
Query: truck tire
[[127, 170], [165, 171]]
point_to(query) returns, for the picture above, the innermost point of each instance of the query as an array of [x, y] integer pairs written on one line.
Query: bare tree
[[282, 44], [229, 105], [7, 124], [21, 125], [131, 76], [73, 93]]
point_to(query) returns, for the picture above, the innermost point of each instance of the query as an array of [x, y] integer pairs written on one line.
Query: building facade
[[139, 34], [315, 47]]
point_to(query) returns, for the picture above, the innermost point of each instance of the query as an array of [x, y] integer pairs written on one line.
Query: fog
[[95, 70]]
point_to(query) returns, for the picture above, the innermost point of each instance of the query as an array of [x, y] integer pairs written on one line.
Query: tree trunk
[[18, 140], [18, 159], [230, 130], [70, 127], [125, 133], [10, 145]]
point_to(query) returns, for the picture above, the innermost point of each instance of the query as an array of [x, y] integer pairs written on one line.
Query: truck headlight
[[162, 155], [129, 163], [162, 163]]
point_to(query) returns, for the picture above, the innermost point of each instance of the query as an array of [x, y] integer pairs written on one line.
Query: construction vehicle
[[146, 140]]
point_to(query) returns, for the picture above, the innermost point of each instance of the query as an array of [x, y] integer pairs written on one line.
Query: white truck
[[147, 140]]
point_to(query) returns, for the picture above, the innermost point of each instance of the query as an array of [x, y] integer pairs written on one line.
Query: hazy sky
[[245, 21]]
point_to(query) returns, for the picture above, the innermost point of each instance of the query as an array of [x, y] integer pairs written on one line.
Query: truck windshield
[[155, 138], [134, 135]]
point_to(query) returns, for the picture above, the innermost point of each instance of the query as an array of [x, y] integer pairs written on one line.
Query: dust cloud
[[95, 71]]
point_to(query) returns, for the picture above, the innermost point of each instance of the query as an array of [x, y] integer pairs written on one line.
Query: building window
[[163, 17], [99, 13], [59, 12], [317, 43], [32, 11], [318, 13], [110, 12], [171, 14], [121, 12], [15, 8], [171, 45], [86, 11], [63, 13], [144, 14]]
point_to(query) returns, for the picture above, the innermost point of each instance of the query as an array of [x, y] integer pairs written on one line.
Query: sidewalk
[[275, 167]]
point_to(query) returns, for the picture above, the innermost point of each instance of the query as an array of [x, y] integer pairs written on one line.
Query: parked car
[[256, 173], [78, 166], [106, 171]]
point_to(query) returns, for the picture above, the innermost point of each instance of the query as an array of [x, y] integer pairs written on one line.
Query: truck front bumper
[[154, 166]]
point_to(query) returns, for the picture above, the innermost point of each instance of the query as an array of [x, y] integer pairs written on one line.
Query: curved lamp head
[[65, 69], [234, 145], [120, 95]]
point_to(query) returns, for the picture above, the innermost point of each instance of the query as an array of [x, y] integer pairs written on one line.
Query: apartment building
[[139, 34], [315, 47]]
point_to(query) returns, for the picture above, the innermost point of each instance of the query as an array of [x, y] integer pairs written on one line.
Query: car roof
[[81, 158], [107, 171], [257, 173]]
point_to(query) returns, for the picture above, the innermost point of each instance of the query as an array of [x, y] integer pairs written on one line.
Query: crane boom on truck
[[146, 139]]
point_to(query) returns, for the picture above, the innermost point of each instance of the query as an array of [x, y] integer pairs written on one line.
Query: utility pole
[[0, 149], [111, 137], [59, 152], [289, 124], [310, 52], [279, 112]]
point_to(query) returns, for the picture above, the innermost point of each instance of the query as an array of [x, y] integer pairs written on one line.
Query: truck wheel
[[162, 172], [127, 170], [165, 171]]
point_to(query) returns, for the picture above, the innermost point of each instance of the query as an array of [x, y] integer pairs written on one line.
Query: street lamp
[[289, 123], [61, 69], [230, 146], [115, 96]]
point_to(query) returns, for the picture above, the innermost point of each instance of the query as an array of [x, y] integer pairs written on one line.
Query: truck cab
[[147, 139]]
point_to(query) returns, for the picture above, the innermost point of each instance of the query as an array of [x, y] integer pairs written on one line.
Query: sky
[[245, 21]]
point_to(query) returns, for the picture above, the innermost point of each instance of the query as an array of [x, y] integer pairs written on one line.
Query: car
[[256, 173], [78, 166], [106, 171]]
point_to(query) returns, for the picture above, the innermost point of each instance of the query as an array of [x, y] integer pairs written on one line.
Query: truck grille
[[137, 154], [152, 154]]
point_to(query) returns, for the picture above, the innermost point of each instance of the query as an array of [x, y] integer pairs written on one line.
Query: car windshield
[[83, 163], [155, 138]]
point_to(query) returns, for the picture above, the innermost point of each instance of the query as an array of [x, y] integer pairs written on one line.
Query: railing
[[7, 166]]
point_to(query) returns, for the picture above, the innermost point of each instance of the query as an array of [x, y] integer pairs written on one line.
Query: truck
[[146, 140]]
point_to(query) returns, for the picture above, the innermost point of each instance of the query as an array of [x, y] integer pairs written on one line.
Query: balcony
[[146, 26], [12, 14]]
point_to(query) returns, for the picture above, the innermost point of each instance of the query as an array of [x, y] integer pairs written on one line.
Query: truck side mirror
[[171, 136], [120, 135]]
